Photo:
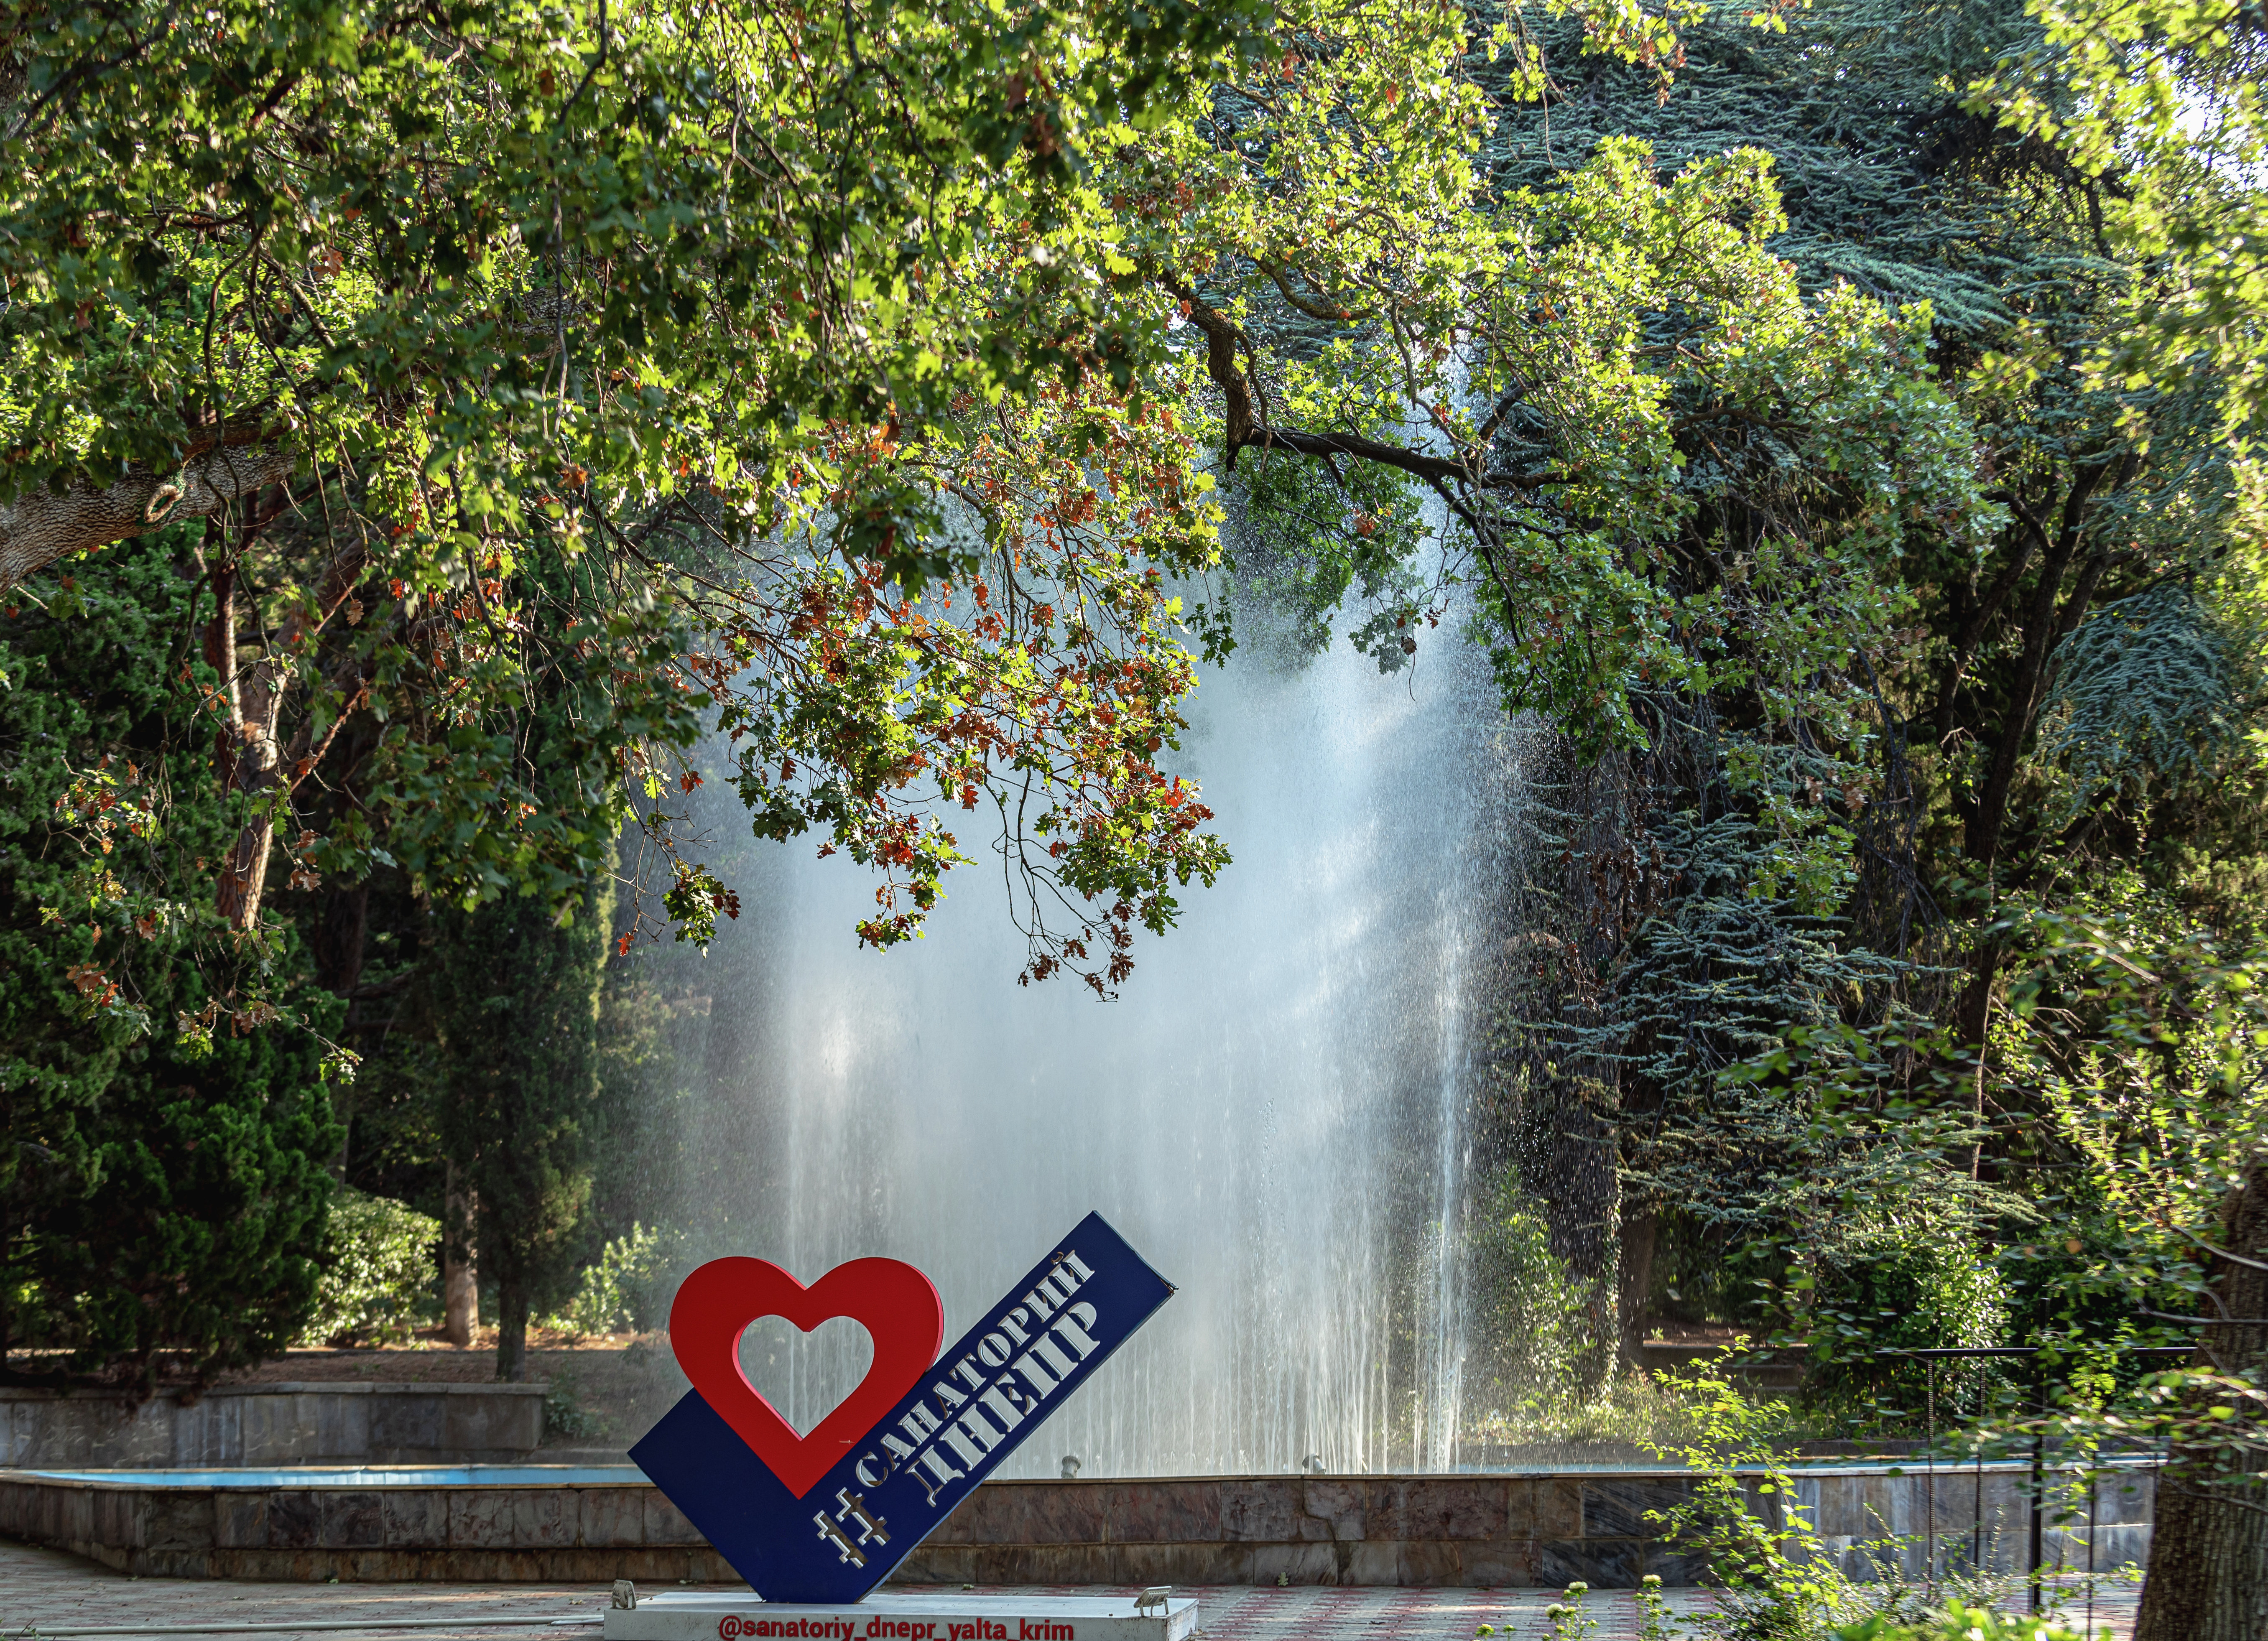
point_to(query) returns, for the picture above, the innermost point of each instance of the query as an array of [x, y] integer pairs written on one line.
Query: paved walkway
[[44, 1590]]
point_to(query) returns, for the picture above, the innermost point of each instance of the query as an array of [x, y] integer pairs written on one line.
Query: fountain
[[1276, 1115], [1273, 1111]]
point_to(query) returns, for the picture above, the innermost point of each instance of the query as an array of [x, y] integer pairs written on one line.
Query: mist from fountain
[[1273, 1111]]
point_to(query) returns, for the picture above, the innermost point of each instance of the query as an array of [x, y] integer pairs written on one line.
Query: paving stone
[[47, 1589]]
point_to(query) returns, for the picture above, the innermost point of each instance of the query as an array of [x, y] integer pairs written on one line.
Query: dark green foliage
[[199, 1215], [653, 1012], [1887, 183], [1720, 975], [515, 1001], [564, 1414], [2073, 702], [161, 1206], [510, 992], [2156, 685], [512, 989], [1911, 1281]]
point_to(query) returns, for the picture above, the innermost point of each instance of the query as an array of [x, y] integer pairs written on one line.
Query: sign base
[[701, 1615]]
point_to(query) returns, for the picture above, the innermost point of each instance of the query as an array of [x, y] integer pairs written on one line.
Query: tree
[[2064, 671], [2155, 102], [2158, 102], [1686, 475], [2136, 1037], [160, 1193], [498, 307], [511, 989], [2209, 1543], [432, 291], [515, 998]]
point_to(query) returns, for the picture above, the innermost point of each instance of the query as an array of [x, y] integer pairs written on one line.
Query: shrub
[[378, 1271], [1777, 1583], [564, 1414], [1537, 1314], [1959, 1623], [1776, 1579], [623, 1290], [1918, 1286]]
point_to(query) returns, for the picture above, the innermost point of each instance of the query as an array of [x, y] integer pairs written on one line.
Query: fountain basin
[[556, 1523]]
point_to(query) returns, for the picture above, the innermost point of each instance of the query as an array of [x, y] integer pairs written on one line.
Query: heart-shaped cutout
[[896, 1304], [792, 1369]]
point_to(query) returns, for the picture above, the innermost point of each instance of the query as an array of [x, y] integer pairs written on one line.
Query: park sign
[[821, 1519]]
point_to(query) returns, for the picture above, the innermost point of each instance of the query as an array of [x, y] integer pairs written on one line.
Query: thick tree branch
[[1221, 363], [41, 526], [1222, 343], [1309, 306], [1973, 630], [2041, 629]]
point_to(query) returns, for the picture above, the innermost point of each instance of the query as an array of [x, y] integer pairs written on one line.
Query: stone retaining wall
[[270, 1426], [1485, 1531]]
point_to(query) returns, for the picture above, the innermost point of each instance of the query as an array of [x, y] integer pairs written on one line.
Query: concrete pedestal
[[699, 1615]]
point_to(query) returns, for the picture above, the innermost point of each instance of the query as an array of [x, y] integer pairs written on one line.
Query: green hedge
[[378, 1271]]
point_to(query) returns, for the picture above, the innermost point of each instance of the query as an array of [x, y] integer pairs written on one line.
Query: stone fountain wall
[[1495, 1532], [1486, 1531]]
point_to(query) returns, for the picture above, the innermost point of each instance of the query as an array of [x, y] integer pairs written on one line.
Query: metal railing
[[2040, 1355]]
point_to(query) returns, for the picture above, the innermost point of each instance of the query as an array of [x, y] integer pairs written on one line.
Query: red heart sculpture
[[896, 1304]]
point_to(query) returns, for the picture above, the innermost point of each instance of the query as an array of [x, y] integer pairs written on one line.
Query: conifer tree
[[162, 1192], [514, 994], [512, 987], [2049, 664]]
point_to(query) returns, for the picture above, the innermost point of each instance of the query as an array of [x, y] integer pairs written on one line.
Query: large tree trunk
[[460, 1286], [249, 754], [246, 700], [512, 1330], [2045, 625], [254, 768], [1641, 1234], [2208, 1576]]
